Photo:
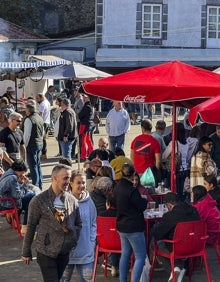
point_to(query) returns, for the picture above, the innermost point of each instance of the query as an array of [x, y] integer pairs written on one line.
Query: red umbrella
[[170, 82], [207, 111], [173, 83]]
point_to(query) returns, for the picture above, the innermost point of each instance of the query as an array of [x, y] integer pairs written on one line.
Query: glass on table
[[162, 208], [151, 206]]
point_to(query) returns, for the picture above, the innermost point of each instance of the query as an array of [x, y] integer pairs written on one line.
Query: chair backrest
[[8, 202], [190, 238], [107, 234]]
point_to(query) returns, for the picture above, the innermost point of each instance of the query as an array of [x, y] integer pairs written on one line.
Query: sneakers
[[109, 267], [176, 273], [114, 272], [179, 274]]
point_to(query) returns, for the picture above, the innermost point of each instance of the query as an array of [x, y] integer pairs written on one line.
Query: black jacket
[[99, 200], [86, 116], [67, 124], [130, 206], [180, 213]]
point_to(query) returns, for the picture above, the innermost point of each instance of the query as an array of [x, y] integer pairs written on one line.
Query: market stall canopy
[[166, 83], [73, 70], [207, 111], [12, 70], [31, 64]]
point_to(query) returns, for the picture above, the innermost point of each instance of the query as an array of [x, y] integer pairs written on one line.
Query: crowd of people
[[64, 216]]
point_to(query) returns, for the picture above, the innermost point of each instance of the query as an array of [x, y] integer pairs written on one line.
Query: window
[[213, 22], [151, 21]]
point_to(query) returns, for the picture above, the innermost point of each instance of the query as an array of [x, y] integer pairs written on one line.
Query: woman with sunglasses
[[82, 257], [201, 163]]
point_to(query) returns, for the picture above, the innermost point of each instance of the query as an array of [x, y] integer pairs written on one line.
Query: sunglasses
[[209, 144], [18, 120]]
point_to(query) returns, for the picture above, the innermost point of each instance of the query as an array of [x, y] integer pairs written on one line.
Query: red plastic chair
[[216, 245], [108, 240], [188, 242], [13, 212]]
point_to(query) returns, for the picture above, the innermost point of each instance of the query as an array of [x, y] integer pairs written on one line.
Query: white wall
[[119, 22], [184, 23]]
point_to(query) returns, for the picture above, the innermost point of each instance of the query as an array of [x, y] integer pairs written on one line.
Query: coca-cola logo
[[136, 99]]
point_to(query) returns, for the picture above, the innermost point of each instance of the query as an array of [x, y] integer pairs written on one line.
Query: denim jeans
[[148, 108], [66, 148], [114, 259], [136, 243], [85, 272], [25, 203], [116, 141], [33, 160], [52, 268]]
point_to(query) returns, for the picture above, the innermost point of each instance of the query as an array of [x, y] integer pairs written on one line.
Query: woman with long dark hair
[[202, 163]]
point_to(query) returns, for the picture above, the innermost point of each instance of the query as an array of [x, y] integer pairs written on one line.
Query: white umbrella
[[73, 70]]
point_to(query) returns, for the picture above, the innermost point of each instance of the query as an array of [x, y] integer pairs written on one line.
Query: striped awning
[[26, 65]]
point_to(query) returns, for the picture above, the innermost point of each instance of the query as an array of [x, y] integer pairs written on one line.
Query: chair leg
[[152, 268], [16, 218], [207, 267], [191, 267], [95, 263], [105, 264], [172, 269]]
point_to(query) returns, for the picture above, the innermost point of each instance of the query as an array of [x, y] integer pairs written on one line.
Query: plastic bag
[[147, 178], [145, 271]]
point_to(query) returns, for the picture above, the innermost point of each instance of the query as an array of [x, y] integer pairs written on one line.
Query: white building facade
[[136, 33]]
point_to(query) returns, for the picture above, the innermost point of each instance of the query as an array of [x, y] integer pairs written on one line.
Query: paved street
[[12, 269]]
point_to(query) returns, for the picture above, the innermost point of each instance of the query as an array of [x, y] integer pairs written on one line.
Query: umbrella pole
[[16, 95], [173, 168], [78, 148]]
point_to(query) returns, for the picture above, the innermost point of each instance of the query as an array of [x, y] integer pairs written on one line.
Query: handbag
[[147, 178], [96, 117], [178, 160]]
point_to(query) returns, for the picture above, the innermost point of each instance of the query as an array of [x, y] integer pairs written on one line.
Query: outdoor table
[[151, 216]]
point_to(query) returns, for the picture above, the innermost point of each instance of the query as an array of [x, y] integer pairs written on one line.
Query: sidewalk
[[12, 269]]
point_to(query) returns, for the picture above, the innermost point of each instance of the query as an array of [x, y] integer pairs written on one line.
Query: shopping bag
[[145, 271], [147, 178]]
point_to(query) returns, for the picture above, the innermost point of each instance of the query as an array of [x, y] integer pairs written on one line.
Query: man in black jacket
[[67, 128], [177, 212]]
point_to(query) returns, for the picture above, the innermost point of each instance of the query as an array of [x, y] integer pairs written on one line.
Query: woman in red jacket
[[207, 210]]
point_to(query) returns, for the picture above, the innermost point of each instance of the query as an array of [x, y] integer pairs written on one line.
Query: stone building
[[52, 18]]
